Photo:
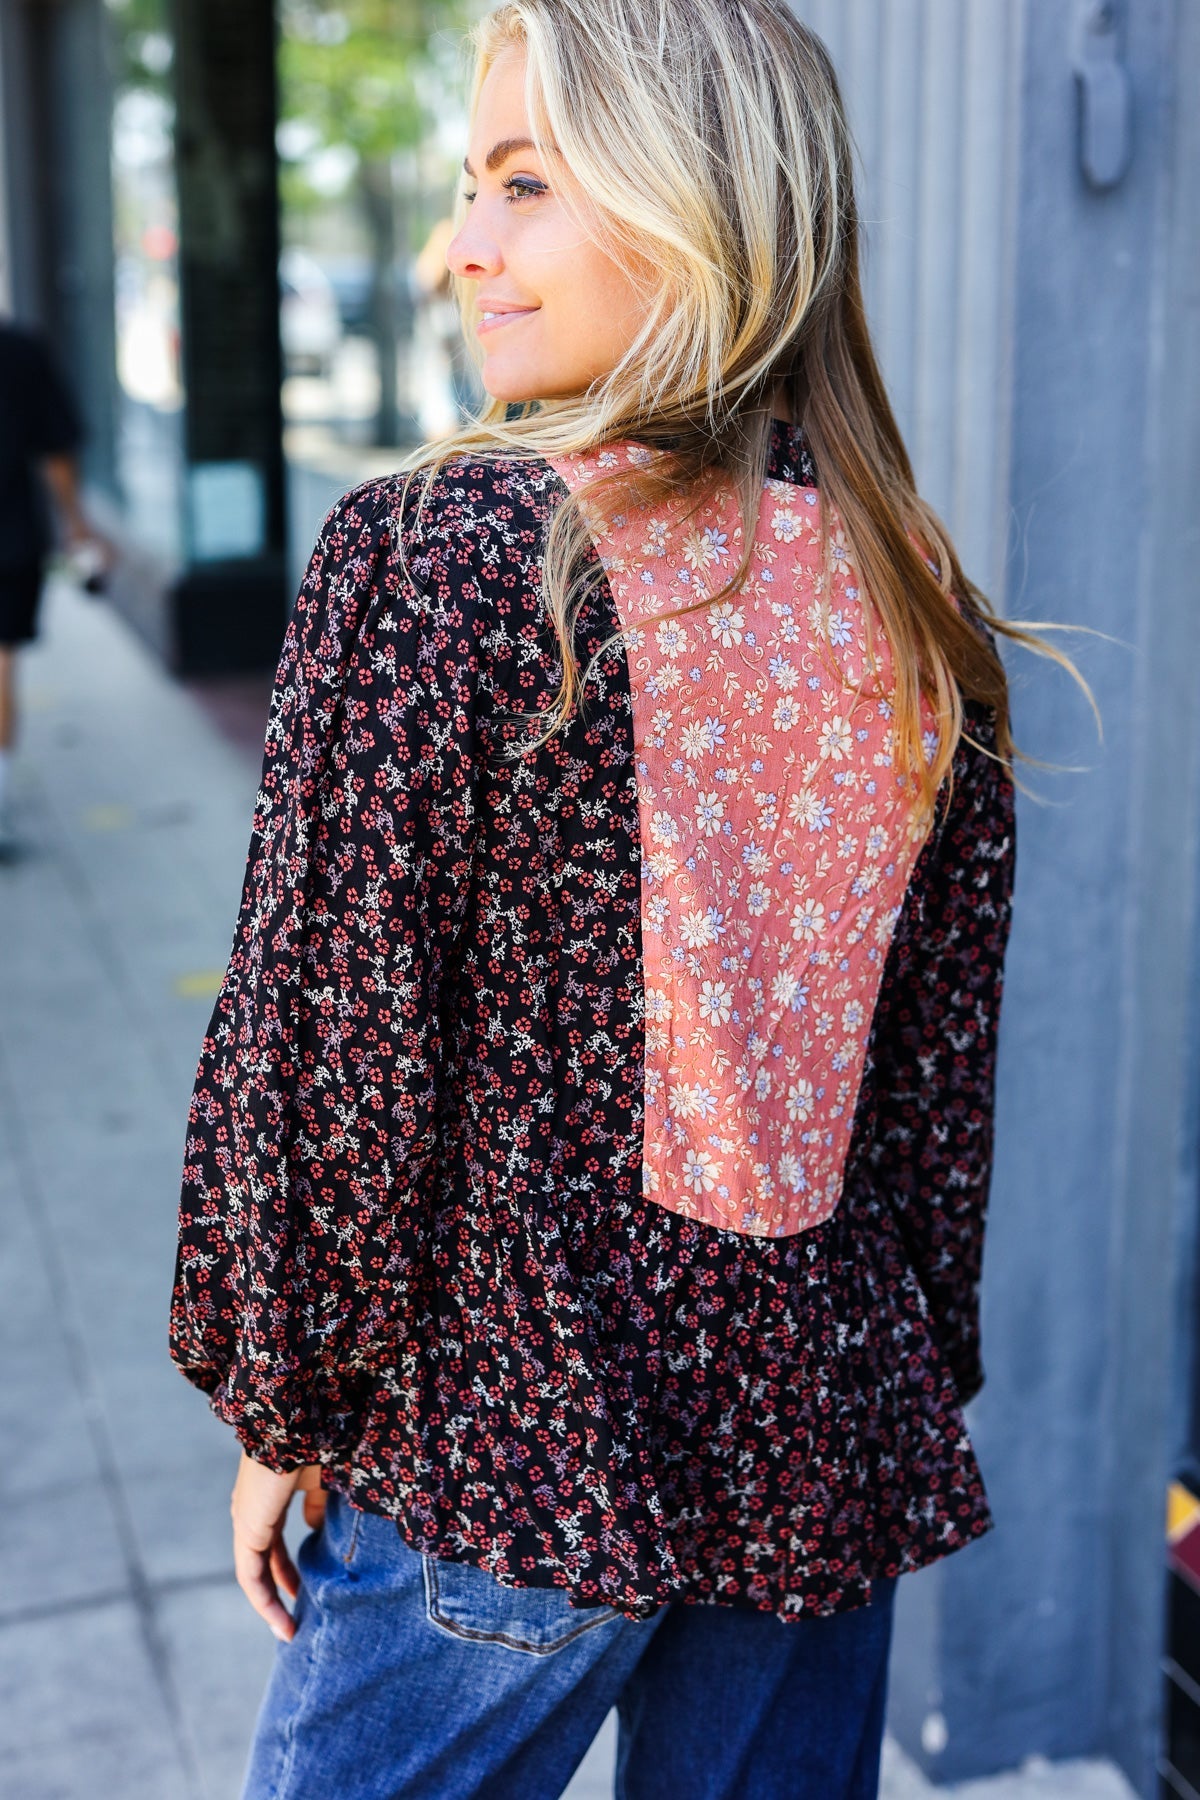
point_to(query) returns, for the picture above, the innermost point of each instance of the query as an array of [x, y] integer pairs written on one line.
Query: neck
[[780, 404]]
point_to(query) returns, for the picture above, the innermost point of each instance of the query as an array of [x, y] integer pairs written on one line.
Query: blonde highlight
[[735, 186]]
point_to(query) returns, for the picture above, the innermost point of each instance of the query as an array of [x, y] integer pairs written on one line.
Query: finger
[[253, 1570], [314, 1508], [284, 1569]]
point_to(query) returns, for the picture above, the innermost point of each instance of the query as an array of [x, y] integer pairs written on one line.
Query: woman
[[588, 1158]]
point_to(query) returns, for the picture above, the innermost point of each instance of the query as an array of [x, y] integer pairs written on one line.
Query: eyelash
[[511, 183]]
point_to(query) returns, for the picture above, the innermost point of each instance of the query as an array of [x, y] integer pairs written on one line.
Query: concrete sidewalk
[[130, 1666]]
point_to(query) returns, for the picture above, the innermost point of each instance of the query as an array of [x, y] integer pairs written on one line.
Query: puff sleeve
[[934, 1052], [314, 1112]]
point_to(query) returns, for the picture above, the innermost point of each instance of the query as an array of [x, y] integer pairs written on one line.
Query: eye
[[522, 187]]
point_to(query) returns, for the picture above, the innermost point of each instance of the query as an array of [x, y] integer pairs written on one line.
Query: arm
[[63, 482], [313, 1113], [55, 435], [934, 1054], [95, 554]]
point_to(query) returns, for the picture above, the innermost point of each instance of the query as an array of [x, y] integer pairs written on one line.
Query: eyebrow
[[500, 153]]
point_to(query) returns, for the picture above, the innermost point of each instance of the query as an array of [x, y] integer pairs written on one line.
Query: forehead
[[501, 108], [500, 127]]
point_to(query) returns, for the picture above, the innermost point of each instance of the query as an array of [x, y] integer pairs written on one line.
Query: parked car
[[350, 277], [310, 325]]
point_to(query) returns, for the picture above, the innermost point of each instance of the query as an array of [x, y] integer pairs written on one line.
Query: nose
[[473, 252]]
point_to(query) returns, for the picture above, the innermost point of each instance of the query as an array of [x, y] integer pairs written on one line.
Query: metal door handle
[[1105, 98]]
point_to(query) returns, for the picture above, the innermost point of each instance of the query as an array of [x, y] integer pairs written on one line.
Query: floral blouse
[[589, 1151]]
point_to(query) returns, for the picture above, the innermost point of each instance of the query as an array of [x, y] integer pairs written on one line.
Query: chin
[[513, 387], [508, 387]]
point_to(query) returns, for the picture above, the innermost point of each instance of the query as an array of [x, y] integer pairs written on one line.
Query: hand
[[83, 540], [260, 1558]]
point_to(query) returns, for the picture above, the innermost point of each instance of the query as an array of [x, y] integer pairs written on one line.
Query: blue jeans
[[415, 1679]]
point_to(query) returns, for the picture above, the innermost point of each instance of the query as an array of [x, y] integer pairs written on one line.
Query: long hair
[[711, 140]]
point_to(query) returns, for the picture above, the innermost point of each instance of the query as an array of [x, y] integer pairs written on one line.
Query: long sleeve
[[314, 1111], [934, 1054]]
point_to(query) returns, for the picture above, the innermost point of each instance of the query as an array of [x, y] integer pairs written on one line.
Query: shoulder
[[475, 483], [467, 535], [22, 343], [487, 511], [450, 559], [32, 379], [26, 353], [468, 512]]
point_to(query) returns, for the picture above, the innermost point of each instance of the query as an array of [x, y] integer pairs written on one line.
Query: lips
[[491, 318]]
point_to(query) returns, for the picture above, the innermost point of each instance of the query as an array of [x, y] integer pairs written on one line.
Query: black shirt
[[37, 418]]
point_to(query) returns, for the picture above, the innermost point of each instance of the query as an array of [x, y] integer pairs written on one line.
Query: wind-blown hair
[[711, 140]]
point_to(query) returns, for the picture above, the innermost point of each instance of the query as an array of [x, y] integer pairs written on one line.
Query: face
[[556, 311]]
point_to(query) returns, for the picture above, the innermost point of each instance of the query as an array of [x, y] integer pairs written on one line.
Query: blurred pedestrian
[[40, 433], [586, 1171]]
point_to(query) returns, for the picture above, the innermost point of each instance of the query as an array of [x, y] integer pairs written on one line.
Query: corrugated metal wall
[[930, 88], [1038, 332]]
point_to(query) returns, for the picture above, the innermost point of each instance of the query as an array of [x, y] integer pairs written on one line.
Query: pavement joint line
[[163, 1589], [57, 1609], [167, 1585], [140, 1589]]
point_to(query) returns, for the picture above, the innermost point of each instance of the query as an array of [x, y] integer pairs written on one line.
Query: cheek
[[590, 313], [620, 314], [607, 280], [601, 308]]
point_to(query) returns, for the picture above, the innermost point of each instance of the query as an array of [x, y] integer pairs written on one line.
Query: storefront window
[[146, 276]]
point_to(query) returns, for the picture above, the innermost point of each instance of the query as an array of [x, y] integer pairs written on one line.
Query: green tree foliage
[[140, 36], [371, 77]]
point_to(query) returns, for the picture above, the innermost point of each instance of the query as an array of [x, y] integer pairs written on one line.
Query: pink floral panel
[[778, 839]]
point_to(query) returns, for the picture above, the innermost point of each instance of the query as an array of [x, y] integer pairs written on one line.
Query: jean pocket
[[348, 1547], [329, 1552], [469, 1603]]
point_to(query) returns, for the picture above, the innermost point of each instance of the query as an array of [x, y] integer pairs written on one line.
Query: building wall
[[1040, 338], [77, 148], [54, 123], [5, 246], [21, 243], [1151, 1418], [931, 90]]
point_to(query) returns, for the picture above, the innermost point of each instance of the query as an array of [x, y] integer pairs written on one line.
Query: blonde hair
[[733, 182]]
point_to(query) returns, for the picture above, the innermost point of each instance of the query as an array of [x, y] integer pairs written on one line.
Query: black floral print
[[414, 1245]]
